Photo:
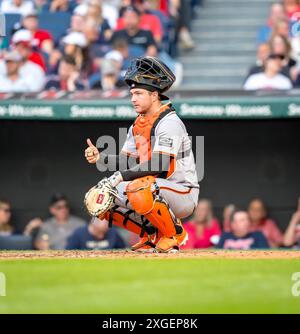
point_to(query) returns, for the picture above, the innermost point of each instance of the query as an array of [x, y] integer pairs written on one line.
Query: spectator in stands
[[5, 218], [263, 51], [292, 234], [280, 45], [95, 50], [21, 7], [40, 5], [74, 45], [66, 6], [56, 230], [118, 53], [291, 7], [95, 12], [181, 12], [277, 13], [33, 226], [163, 6], [260, 222], [124, 4], [95, 236], [18, 75], [41, 38], [227, 215], [204, 229], [148, 21], [10, 79], [295, 45], [109, 11], [77, 23], [296, 75], [68, 78], [271, 78], [281, 28], [22, 41], [241, 236], [110, 77], [135, 36]]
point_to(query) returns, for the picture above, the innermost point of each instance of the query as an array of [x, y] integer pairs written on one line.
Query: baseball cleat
[[144, 244], [182, 237], [147, 243], [166, 245]]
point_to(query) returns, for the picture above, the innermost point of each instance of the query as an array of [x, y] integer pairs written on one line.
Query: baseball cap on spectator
[[31, 13], [12, 55], [57, 197], [81, 10], [22, 36], [75, 38], [108, 67]]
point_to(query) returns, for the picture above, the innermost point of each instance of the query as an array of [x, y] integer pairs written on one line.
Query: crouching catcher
[[155, 184]]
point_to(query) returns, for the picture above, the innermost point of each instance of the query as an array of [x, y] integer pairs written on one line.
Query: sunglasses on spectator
[[276, 56]]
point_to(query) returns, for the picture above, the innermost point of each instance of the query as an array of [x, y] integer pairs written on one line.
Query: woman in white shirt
[[271, 78]]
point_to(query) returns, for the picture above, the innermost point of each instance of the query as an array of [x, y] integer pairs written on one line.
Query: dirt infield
[[195, 254]]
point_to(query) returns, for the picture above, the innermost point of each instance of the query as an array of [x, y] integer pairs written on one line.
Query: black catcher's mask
[[150, 73]]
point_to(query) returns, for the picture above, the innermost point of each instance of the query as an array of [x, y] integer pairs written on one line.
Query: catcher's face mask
[[150, 73]]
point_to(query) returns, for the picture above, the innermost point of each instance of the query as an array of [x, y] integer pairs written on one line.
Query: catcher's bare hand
[[91, 153]]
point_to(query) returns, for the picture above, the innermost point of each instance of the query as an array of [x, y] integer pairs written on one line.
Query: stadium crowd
[[73, 45], [241, 229], [69, 45], [278, 50]]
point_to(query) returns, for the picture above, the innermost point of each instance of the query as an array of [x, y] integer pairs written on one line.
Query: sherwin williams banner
[[193, 108]]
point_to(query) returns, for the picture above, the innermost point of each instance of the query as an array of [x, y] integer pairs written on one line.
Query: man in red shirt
[[22, 41], [148, 21], [41, 38]]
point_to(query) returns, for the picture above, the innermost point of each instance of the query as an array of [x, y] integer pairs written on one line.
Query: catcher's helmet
[[150, 73]]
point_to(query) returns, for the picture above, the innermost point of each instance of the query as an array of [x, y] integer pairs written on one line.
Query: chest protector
[[143, 131]]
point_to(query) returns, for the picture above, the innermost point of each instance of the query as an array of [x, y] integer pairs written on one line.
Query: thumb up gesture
[[91, 152]]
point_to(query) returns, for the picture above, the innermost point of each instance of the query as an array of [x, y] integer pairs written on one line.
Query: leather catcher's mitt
[[100, 198]]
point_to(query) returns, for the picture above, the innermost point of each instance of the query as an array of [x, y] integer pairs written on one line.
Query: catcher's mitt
[[100, 198]]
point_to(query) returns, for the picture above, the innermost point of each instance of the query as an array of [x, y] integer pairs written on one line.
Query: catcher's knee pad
[[143, 195], [122, 219]]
